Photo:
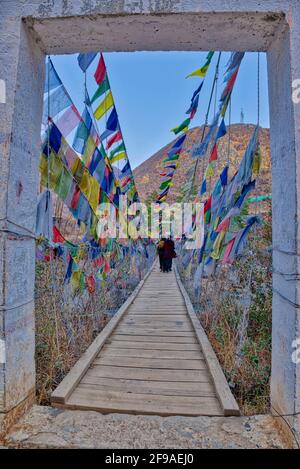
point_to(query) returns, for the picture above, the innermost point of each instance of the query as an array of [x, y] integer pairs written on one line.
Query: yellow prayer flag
[[200, 72], [209, 171], [117, 157], [89, 150], [104, 106], [217, 245], [94, 194], [256, 162], [75, 280]]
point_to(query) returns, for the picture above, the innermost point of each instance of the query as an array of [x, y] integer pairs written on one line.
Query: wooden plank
[[109, 351], [65, 388], [224, 393], [153, 345], [159, 324], [148, 309], [155, 313], [183, 331], [191, 339], [105, 402], [181, 317], [157, 363], [150, 374], [165, 388]]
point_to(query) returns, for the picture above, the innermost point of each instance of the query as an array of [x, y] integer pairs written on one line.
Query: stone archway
[[32, 28]]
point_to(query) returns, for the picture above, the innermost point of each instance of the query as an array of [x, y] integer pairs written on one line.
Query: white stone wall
[[30, 28]]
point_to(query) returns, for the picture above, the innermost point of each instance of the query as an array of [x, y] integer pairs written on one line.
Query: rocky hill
[[147, 174]]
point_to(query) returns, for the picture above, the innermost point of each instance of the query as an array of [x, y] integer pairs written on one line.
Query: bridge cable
[[205, 123]]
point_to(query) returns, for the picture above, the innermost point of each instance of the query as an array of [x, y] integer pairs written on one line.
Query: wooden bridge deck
[[152, 358]]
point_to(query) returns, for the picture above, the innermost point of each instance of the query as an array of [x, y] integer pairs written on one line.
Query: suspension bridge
[[153, 357]]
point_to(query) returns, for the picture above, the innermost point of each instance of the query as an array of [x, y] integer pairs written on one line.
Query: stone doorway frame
[[29, 29]]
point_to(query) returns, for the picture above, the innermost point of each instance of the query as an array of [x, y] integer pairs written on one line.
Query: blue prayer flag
[[85, 60]]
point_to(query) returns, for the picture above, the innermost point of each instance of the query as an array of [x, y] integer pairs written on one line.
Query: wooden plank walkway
[[152, 358]]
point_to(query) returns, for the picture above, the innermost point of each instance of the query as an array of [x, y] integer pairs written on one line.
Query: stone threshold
[[47, 427]]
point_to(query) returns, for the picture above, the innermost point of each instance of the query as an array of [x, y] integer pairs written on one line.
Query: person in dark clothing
[[169, 254], [160, 252]]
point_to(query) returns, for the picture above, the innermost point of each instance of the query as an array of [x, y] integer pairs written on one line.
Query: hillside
[[147, 174]]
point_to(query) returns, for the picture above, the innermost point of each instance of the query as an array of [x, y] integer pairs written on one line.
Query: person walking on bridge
[[160, 252], [169, 254]]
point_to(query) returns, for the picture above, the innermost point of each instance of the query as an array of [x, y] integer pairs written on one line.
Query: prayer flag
[[222, 130], [69, 120], [214, 153], [120, 147], [182, 127], [85, 60], [113, 139], [100, 71], [112, 124], [201, 72], [103, 88], [104, 106], [52, 79], [58, 100], [117, 157]]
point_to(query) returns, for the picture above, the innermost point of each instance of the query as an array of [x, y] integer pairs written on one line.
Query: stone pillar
[[22, 69], [283, 69]]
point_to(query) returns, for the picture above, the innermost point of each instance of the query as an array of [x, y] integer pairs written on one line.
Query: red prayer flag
[[230, 84], [90, 283], [101, 71], [224, 225], [115, 138], [214, 153], [207, 205], [57, 236], [227, 252], [75, 199]]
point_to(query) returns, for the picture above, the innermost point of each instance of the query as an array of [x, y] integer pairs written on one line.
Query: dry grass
[[66, 324]]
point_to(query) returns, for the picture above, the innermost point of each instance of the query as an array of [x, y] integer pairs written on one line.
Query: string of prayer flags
[[201, 72], [85, 60], [104, 106]]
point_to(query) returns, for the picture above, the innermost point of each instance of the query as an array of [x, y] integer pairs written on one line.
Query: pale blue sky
[[152, 95]]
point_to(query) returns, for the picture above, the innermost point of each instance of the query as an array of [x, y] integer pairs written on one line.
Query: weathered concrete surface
[[28, 29], [22, 67], [44, 427]]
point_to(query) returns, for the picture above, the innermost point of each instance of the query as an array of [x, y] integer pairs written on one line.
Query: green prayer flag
[[119, 148], [171, 158], [102, 151], [184, 125], [165, 184], [105, 86], [64, 184]]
